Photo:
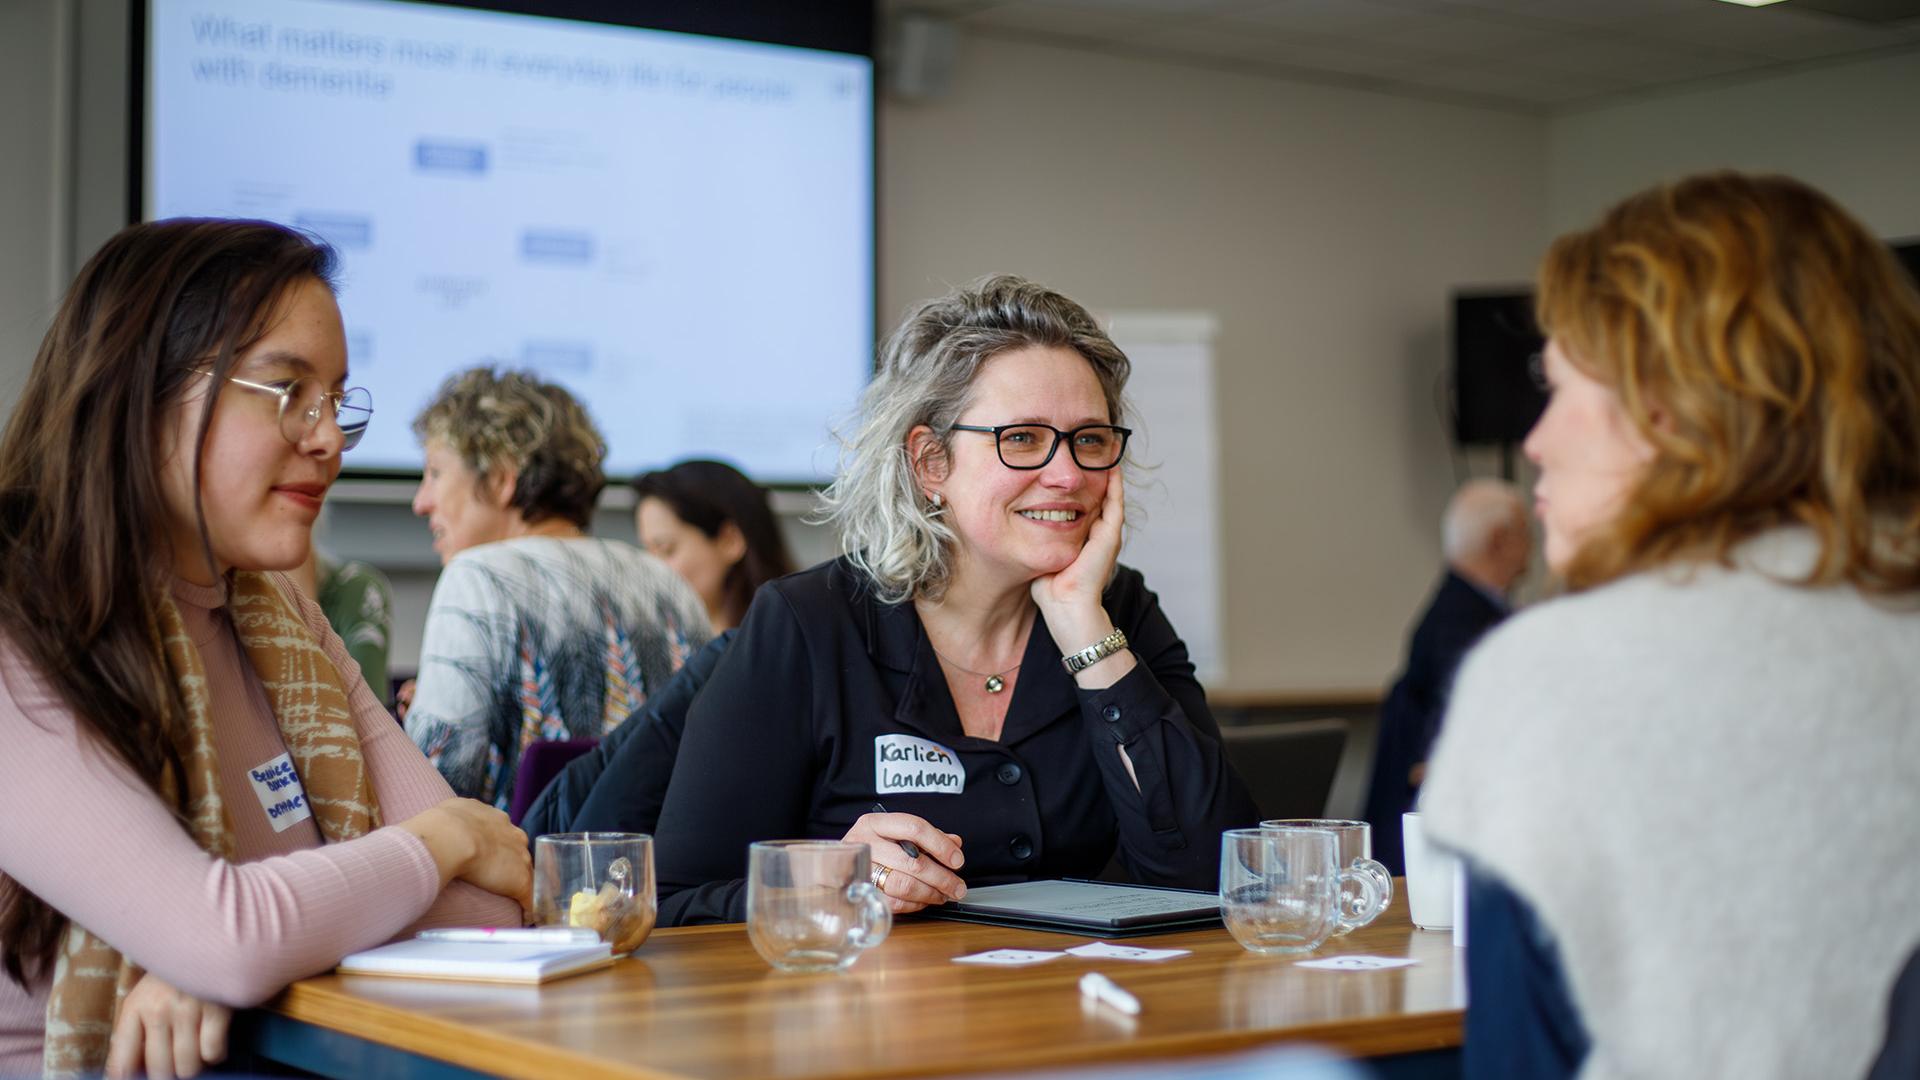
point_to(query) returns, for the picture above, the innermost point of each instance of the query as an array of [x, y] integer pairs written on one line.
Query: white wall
[[1851, 129], [1323, 227]]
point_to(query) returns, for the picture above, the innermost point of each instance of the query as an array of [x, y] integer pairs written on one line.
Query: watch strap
[[1094, 653]]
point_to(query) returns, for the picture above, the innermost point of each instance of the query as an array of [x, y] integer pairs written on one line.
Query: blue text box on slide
[[558, 357], [447, 156], [343, 231], [555, 246]]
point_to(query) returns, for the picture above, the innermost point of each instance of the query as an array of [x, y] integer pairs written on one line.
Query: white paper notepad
[[483, 962]]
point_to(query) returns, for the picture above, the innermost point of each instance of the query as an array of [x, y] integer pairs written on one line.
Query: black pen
[[912, 849]]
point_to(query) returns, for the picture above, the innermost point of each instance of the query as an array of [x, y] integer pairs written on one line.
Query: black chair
[[1288, 767]]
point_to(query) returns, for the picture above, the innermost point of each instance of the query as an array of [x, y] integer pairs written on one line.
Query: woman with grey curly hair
[[536, 630], [977, 684]]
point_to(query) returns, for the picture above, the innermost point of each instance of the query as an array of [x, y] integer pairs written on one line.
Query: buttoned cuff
[[1130, 706]]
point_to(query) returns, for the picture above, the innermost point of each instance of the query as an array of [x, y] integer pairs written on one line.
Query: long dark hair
[[84, 552], [707, 495]]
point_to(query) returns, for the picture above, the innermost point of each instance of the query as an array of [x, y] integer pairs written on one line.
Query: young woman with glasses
[[201, 800], [978, 663]]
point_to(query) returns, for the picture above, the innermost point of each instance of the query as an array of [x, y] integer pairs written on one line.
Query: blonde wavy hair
[[1768, 347], [511, 419], [925, 376]]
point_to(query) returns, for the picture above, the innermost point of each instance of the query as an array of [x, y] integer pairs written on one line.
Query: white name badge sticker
[[281, 796], [904, 763]]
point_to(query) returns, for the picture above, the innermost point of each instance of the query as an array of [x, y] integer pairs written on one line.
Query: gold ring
[[879, 875]]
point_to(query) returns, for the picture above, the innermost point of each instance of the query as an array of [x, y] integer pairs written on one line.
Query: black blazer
[[1456, 617], [824, 681]]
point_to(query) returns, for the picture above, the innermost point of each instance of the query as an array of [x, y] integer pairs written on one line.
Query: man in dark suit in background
[[1487, 542]]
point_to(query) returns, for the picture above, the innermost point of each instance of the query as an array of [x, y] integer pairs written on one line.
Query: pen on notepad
[[1107, 992], [514, 935], [912, 849]]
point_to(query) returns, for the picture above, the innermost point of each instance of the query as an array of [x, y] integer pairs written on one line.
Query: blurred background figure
[[358, 601], [536, 631], [1487, 544], [713, 527]]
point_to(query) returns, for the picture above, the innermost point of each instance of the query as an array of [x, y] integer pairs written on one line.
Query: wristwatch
[[1094, 653]]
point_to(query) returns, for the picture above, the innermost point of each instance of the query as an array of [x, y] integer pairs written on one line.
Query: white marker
[[1105, 990], [514, 935]]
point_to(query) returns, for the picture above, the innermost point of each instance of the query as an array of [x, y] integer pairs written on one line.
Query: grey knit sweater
[[1707, 785]]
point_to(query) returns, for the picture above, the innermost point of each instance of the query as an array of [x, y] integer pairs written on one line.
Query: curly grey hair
[[511, 418], [926, 373]]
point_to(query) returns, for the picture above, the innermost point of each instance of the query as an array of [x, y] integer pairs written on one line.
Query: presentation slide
[[678, 228]]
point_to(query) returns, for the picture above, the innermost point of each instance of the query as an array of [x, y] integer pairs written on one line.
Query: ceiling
[[1529, 55]]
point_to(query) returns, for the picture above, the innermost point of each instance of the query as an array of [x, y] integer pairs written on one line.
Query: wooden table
[[699, 1002]]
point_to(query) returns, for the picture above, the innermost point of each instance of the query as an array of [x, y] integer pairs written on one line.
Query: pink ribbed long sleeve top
[[82, 833]]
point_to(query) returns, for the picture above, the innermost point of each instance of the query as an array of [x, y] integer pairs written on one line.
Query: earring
[[934, 498]]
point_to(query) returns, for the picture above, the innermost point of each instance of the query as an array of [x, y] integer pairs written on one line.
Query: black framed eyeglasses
[[303, 401], [1095, 447]]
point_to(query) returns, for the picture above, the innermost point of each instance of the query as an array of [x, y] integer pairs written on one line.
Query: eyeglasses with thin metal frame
[[1095, 447], [302, 401]]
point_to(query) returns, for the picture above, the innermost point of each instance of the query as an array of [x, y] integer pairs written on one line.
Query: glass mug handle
[[874, 917], [1381, 878], [1376, 889], [620, 875]]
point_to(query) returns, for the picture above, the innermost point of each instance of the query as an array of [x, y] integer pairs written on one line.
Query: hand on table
[[476, 843], [163, 1033], [911, 883]]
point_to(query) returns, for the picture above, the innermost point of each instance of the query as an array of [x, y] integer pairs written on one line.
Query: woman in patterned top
[[536, 630]]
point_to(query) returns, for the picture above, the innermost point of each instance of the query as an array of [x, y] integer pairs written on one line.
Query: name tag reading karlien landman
[[904, 763]]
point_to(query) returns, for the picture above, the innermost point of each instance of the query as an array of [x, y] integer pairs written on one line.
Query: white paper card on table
[[1009, 957], [484, 962], [1358, 963], [1103, 950]]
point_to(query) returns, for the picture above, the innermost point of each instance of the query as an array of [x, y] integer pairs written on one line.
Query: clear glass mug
[[602, 881], [1354, 840], [1280, 888], [810, 904]]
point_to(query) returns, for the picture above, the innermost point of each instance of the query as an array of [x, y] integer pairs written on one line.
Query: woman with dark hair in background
[[196, 778], [713, 526]]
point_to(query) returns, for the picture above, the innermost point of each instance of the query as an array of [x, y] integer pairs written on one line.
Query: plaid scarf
[[309, 700]]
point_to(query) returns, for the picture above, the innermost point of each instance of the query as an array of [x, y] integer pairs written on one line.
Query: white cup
[[1431, 877]]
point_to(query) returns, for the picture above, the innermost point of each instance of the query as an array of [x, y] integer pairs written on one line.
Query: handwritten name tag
[[281, 796], [905, 763]]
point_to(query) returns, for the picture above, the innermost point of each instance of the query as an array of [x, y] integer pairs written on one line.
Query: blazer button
[[1111, 713], [1009, 773], [1021, 848]]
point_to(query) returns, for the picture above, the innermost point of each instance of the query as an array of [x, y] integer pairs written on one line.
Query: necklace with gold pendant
[[994, 684]]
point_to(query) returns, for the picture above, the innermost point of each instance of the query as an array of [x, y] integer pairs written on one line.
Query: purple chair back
[[540, 762]]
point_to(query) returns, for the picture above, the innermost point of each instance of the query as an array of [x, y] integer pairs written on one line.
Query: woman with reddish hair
[[1686, 789]]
